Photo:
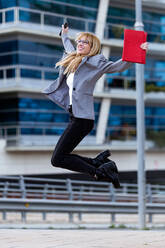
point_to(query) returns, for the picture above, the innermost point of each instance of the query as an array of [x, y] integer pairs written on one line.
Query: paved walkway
[[81, 239]]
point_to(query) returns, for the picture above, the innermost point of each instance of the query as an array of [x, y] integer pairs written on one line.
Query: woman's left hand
[[144, 46]]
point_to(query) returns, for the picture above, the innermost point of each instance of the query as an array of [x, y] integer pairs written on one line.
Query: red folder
[[132, 52]]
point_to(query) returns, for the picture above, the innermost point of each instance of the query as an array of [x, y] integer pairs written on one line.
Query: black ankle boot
[[101, 158], [108, 172]]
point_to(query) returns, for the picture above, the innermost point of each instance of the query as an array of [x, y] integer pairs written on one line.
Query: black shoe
[[113, 166], [101, 158], [108, 172]]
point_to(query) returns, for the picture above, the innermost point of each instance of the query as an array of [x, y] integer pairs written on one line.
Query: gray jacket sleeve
[[67, 44], [112, 67]]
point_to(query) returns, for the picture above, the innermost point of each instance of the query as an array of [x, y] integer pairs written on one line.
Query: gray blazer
[[85, 78]]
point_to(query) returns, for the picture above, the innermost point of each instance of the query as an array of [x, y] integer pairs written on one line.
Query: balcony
[[41, 22], [38, 137], [24, 77], [34, 135], [19, 19]]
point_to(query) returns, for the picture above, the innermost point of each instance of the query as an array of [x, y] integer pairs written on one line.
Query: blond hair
[[72, 60]]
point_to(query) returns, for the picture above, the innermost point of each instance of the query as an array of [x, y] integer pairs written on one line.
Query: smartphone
[[65, 26]]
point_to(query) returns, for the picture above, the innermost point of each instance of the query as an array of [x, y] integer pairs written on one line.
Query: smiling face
[[83, 46]]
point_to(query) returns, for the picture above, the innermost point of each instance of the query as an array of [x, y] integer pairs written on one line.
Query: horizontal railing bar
[[31, 53], [20, 66], [40, 205], [82, 194], [46, 13], [20, 126], [81, 191], [63, 180], [123, 18], [36, 187], [62, 191], [75, 183], [130, 27], [76, 6], [54, 126], [78, 18], [7, 9]]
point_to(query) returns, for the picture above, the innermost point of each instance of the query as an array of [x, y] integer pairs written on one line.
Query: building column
[[103, 119], [100, 83], [105, 104], [101, 18], [99, 31]]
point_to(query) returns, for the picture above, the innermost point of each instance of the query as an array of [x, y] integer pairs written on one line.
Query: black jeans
[[76, 130]]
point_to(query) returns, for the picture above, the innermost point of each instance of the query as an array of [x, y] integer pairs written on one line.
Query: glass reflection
[[37, 116]]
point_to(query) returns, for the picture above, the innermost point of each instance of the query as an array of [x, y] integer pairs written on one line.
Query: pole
[[140, 125]]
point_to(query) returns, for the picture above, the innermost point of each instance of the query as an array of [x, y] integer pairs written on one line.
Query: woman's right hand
[[64, 30]]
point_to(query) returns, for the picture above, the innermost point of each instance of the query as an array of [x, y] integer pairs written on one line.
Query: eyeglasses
[[84, 42]]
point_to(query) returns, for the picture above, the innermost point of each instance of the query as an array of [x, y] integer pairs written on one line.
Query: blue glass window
[[127, 13], [1, 74], [28, 16], [31, 46], [93, 3], [8, 59], [7, 4], [27, 73], [9, 16], [125, 18], [154, 75], [120, 115], [8, 46], [10, 73], [72, 8], [117, 80], [122, 121], [37, 116], [50, 75], [79, 8], [33, 54]]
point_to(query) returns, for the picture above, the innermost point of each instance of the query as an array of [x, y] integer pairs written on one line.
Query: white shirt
[[69, 82]]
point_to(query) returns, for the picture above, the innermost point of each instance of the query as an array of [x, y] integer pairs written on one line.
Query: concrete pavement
[[19, 238]]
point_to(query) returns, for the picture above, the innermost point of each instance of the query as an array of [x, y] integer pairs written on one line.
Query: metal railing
[[117, 30], [31, 135], [44, 134], [43, 18], [27, 194], [15, 71]]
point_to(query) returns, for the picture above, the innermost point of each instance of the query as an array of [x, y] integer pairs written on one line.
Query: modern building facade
[[30, 46]]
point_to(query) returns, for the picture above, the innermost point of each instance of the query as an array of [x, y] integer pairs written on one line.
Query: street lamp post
[[140, 125]]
